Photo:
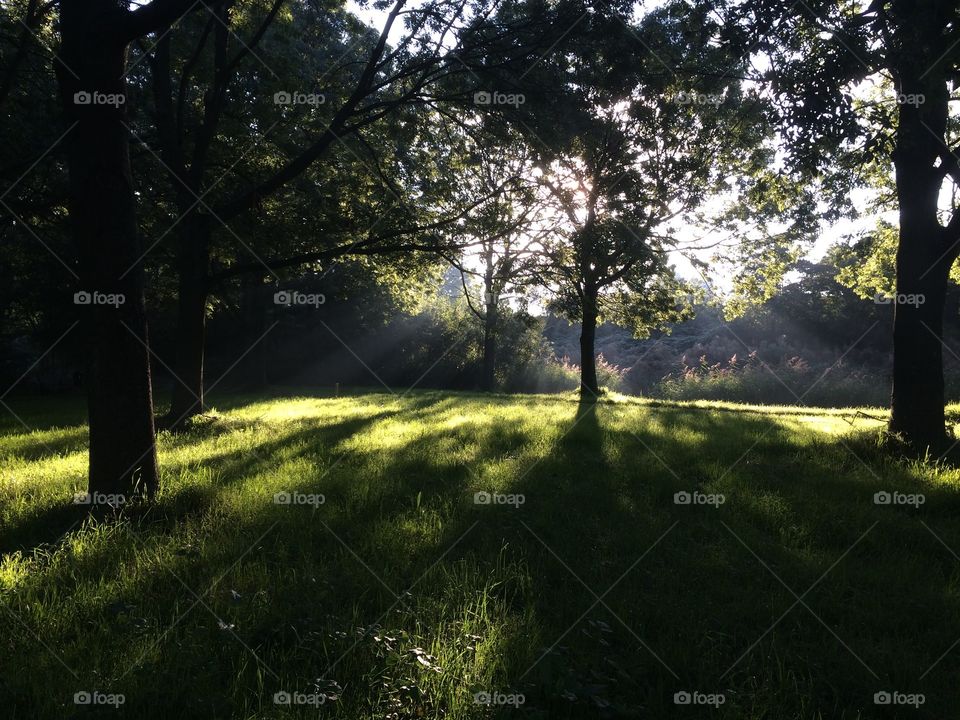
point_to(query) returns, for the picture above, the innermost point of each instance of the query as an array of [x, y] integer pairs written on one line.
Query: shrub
[[546, 375], [791, 382]]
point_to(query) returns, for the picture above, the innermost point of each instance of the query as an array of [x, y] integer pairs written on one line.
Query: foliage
[[753, 382]]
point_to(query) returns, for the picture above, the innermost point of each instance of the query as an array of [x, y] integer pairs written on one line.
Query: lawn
[[464, 556]]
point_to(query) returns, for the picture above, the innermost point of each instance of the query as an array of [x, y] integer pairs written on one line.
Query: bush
[[791, 382], [610, 376], [546, 375]]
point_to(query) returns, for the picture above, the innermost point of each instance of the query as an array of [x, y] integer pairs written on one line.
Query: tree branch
[[155, 16]]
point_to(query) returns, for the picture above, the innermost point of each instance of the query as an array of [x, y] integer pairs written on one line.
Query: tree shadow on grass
[[686, 596], [687, 616], [51, 524]]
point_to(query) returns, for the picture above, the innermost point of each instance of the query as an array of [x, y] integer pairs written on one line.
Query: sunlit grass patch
[[411, 556]]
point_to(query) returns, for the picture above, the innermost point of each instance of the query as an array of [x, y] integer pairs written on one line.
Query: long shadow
[[291, 534], [683, 606], [683, 617], [358, 520], [51, 525]]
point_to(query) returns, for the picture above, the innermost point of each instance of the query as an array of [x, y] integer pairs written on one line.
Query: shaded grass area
[[399, 596]]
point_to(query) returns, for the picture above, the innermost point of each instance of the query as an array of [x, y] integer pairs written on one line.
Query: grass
[[401, 597]]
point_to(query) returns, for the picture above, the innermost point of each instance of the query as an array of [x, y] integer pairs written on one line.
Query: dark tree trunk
[[588, 335], [924, 256], [102, 215], [190, 337], [917, 400], [490, 327]]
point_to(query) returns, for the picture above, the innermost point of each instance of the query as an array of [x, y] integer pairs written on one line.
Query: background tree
[[36, 296], [371, 81], [815, 56], [625, 146], [500, 238]]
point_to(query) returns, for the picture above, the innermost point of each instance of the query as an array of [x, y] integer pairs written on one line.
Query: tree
[[626, 146], [815, 56], [17, 32], [501, 238], [199, 122], [91, 71], [373, 81], [36, 251]]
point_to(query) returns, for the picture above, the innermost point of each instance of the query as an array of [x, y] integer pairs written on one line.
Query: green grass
[[399, 597]]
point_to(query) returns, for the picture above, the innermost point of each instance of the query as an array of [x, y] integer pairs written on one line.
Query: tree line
[[564, 149]]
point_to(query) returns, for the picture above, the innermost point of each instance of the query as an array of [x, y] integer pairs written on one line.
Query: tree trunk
[[924, 257], [190, 335], [123, 456], [588, 335], [917, 399], [490, 323]]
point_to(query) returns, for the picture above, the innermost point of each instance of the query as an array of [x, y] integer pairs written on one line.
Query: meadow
[[456, 555]]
